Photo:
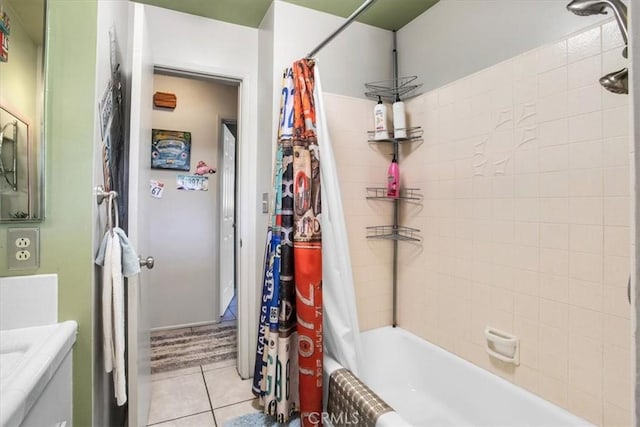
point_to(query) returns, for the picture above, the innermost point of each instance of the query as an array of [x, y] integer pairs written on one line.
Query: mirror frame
[[36, 192]]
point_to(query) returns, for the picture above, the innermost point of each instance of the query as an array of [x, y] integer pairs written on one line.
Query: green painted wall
[[65, 234], [66, 246]]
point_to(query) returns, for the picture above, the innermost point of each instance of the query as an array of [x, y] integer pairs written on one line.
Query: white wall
[[184, 227], [111, 16], [361, 53], [455, 38], [266, 109], [197, 44]]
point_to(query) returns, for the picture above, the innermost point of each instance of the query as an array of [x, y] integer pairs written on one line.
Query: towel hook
[[101, 194]]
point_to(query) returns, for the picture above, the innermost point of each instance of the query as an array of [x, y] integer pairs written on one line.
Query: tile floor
[[202, 396]]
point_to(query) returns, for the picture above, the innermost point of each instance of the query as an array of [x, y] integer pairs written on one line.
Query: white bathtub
[[428, 386]]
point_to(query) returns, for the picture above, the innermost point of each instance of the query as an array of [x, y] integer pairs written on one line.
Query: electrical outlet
[[23, 248], [23, 242], [23, 255]]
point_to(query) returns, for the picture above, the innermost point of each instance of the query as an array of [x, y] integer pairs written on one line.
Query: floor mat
[[186, 347], [258, 419]]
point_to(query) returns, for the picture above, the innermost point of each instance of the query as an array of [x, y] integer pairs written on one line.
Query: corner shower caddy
[[394, 232]]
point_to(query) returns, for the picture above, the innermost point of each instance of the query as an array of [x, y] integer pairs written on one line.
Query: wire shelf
[[388, 89], [380, 193], [392, 232], [414, 133]]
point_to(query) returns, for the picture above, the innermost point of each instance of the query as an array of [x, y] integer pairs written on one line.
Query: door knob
[[148, 262]]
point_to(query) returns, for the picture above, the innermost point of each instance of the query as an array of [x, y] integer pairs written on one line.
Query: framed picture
[[170, 149]]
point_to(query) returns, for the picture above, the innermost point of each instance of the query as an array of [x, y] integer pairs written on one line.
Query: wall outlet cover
[[23, 248]]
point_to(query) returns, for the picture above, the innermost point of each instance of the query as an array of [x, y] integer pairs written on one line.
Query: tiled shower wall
[[524, 172]]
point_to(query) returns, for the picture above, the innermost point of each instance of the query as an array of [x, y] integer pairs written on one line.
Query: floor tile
[[204, 419], [175, 373], [176, 397], [226, 387], [228, 412], [218, 365]]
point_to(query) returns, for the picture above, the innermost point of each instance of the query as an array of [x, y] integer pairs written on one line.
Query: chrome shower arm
[[596, 7]]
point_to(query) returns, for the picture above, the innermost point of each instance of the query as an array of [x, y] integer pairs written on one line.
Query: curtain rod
[[364, 6]]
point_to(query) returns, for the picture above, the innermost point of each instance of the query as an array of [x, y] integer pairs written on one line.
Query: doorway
[[187, 224]]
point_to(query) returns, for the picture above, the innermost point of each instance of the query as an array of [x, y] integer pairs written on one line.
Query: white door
[[138, 325], [227, 216]]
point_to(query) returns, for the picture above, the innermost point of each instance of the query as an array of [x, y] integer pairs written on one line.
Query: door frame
[[246, 205]]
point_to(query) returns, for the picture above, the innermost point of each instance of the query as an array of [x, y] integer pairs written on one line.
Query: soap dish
[[502, 345]]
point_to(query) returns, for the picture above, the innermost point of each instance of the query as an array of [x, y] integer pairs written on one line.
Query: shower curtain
[[299, 262]]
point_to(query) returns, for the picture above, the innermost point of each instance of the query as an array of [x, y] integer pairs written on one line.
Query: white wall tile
[[554, 236], [616, 152], [527, 209], [616, 211], [526, 233], [585, 127], [552, 56], [585, 155], [587, 267], [586, 210], [586, 99], [585, 72], [586, 294], [552, 82], [616, 270], [615, 122], [554, 210], [554, 184], [618, 331], [554, 288], [615, 301], [554, 314], [586, 182], [616, 181], [583, 45], [554, 262], [526, 185], [554, 158], [554, 132], [586, 238], [617, 241], [552, 107]]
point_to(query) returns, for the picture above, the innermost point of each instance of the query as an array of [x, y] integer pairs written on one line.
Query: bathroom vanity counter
[[35, 374]]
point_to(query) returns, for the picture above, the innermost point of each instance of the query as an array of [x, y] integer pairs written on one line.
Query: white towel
[[105, 259], [119, 379], [113, 324]]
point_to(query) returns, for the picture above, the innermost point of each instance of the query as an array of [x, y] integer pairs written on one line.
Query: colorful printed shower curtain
[[288, 370]]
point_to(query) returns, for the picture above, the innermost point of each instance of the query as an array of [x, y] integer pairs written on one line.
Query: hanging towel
[[130, 264], [118, 260]]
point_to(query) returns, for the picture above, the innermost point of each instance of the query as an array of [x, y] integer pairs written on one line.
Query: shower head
[[616, 82], [597, 7]]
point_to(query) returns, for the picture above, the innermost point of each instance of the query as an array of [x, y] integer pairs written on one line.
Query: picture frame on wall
[[170, 149]]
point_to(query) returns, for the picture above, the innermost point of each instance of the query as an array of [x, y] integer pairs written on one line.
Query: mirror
[[22, 45]]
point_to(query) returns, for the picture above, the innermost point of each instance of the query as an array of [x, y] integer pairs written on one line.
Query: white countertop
[[28, 359]]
